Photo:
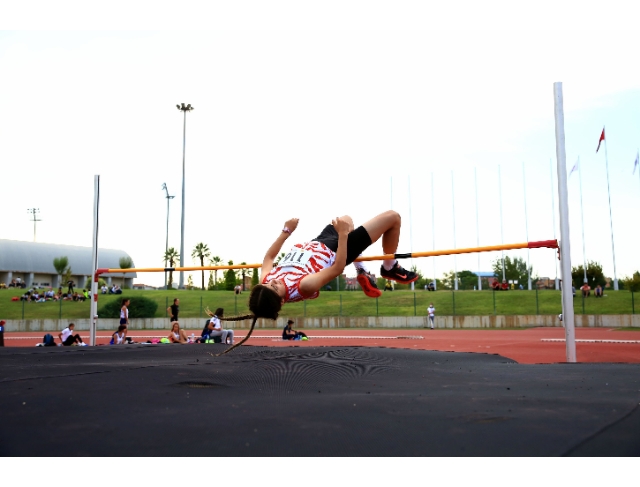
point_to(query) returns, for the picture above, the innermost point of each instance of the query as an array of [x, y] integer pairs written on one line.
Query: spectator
[[388, 286], [67, 337], [177, 335], [573, 290], [598, 291], [173, 310], [70, 283], [216, 330], [432, 314], [290, 334], [505, 285], [119, 337], [124, 313], [238, 289], [104, 289], [431, 286], [586, 290]]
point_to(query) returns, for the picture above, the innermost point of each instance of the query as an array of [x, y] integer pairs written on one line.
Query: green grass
[[345, 303]]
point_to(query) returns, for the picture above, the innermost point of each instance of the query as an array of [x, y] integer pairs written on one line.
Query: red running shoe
[[398, 274], [368, 284]]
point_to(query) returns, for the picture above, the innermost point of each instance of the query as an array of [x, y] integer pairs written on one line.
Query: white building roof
[[36, 257]]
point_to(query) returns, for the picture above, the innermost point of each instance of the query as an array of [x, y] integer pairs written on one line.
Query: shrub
[[139, 307]]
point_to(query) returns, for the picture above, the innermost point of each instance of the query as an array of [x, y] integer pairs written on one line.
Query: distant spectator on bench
[[67, 337], [104, 289], [598, 291], [505, 285]]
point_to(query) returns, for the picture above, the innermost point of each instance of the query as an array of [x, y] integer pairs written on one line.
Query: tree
[[230, 278], [125, 263], [171, 256], [190, 285], [632, 283], [243, 272], [210, 284], [595, 275], [255, 278], [61, 264], [515, 270], [215, 260], [467, 280], [201, 252]]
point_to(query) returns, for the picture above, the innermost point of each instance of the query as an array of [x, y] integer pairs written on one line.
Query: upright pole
[[453, 214], [94, 263], [501, 229], [584, 251], [475, 175], [553, 219], [410, 226], [433, 232], [184, 146], [565, 244], [613, 249], [166, 246], [526, 226]]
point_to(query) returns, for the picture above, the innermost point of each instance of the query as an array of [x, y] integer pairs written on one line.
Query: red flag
[[600, 141]]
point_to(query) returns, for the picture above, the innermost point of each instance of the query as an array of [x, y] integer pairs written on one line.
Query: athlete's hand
[[291, 224], [341, 226]]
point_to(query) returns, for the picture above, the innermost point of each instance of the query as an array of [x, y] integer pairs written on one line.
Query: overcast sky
[[300, 113]]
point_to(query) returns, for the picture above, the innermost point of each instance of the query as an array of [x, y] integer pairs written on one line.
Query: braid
[[253, 324], [263, 303]]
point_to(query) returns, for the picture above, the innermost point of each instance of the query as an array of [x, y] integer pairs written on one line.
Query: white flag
[[575, 167]]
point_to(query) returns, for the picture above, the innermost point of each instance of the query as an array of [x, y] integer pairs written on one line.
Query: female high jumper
[[310, 266]]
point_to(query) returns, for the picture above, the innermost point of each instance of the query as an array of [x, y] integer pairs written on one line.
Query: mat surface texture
[[171, 400]]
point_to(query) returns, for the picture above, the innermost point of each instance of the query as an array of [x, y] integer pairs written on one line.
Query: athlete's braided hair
[[263, 303]]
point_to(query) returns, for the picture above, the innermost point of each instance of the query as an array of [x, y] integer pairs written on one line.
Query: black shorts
[[358, 241]]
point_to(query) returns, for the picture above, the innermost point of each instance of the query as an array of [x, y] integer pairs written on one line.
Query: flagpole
[[433, 233], [613, 249], [501, 229], [453, 213], [584, 251], [526, 226], [553, 216], [475, 175]]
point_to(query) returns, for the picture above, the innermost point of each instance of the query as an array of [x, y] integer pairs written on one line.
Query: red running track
[[528, 346]]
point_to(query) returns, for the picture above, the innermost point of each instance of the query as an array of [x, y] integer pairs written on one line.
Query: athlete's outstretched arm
[[272, 253]]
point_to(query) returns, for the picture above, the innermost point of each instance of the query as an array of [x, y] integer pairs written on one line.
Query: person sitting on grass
[[310, 266], [67, 337], [120, 336], [177, 335], [598, 291]]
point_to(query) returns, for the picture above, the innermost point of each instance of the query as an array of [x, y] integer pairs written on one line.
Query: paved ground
[[310, 400]]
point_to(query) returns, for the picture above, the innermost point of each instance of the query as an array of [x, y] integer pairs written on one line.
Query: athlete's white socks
[[359, 265], [388, 264]]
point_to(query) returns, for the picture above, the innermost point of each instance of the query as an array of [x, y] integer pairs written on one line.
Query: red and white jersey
[[299, 262]]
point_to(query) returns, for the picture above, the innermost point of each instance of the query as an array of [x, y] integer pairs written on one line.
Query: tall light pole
[[33, 212], [166, 245], [183, 108]]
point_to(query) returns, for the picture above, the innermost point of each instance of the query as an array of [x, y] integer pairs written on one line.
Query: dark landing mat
[[170, 400]]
